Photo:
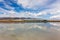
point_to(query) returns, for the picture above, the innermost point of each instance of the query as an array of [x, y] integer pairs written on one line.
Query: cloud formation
[[48, 9]]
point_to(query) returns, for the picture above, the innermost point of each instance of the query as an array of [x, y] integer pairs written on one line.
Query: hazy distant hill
[[20, 18]]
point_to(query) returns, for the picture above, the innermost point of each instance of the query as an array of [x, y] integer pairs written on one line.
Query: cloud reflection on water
[[28, 31]]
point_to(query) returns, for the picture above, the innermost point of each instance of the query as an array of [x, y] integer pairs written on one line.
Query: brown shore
[[53, 20], [18, 21]]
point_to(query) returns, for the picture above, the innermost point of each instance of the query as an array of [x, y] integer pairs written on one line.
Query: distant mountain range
[[19, 18], [15, 18]]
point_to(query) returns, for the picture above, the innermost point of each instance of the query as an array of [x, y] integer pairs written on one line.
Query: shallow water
[[29, 31]]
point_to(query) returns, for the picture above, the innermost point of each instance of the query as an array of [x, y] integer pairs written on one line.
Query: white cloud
[[12, 13], [53, 9], [34, 4], [55, 17], [6, 13]]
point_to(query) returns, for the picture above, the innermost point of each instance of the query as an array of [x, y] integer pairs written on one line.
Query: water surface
[[29, 31]]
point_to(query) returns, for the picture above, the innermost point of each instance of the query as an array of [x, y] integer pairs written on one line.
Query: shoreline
[[26, 21]]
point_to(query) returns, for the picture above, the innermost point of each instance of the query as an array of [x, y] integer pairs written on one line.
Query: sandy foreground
[[29, 36]]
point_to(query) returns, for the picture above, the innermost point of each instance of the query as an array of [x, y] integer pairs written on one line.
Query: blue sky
[[47, 9]]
